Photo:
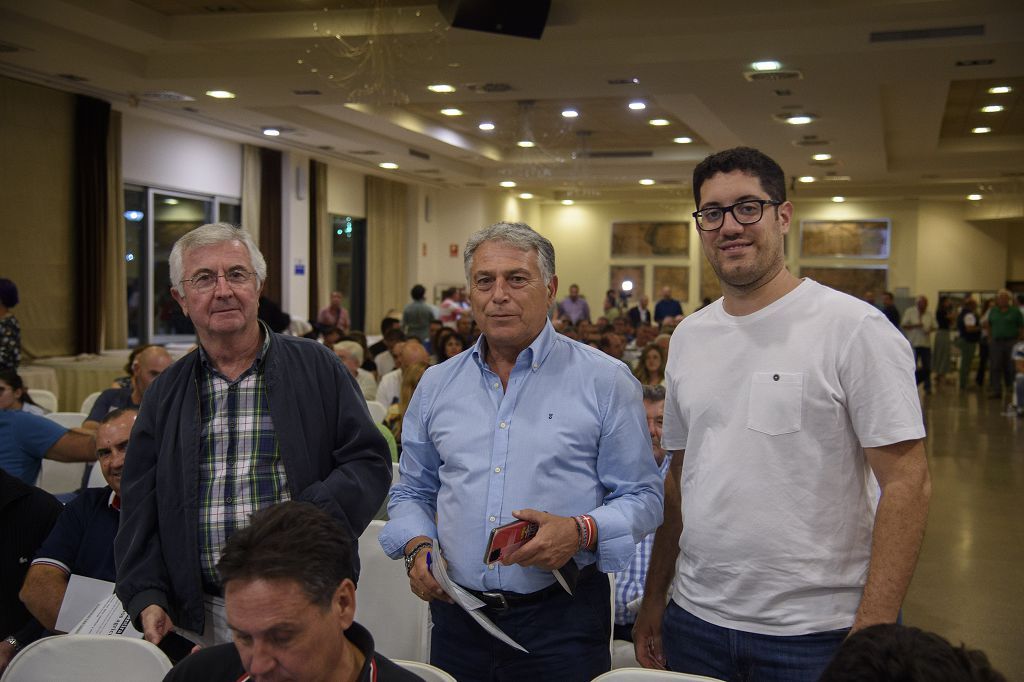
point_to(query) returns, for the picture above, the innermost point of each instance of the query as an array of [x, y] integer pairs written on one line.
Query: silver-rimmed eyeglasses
[[206, 281], [743, 212]]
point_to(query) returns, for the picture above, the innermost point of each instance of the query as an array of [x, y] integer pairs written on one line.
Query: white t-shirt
[[773, 410], [918, 336], [390, 387]]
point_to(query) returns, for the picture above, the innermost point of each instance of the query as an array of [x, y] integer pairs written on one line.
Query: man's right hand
[[155, 623], [647, 634], [421, 582]]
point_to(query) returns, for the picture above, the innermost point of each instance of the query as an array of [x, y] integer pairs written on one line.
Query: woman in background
[[14, 395], [650, 370], [411, 376], [449, 344], [10, 332]]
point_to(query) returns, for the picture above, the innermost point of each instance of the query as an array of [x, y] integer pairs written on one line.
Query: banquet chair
[[69, 420], [397, 619], [426, 671], [645, 675], [43, 398], [89, 401], [62, 477], [377, 411], [88, 658]]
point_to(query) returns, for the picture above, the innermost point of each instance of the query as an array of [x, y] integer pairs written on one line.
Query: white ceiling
[[880, 105]]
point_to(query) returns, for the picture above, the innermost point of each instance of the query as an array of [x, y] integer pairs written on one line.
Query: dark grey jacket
[[333, 454]]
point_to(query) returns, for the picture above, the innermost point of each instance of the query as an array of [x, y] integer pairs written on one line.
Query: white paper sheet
[[467, 601], [90, 607]]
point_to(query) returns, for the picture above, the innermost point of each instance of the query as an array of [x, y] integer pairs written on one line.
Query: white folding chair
[[88, 658], [43, 398], [62, 477], [386, 607], [426, 671], [89, 401], [645, 675], [69, 420], [377, 411]]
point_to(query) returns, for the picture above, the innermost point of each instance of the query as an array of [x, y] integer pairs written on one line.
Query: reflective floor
[[968, 586]]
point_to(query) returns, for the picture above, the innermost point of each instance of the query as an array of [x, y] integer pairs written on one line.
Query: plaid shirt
[[240, 468], [629, 582]]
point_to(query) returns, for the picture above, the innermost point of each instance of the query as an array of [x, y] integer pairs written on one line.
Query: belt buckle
[[500, 597]]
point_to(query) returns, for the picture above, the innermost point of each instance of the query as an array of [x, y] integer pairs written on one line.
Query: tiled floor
[[969, 584]]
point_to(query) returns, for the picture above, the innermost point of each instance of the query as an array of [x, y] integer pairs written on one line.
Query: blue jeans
[[567, 638], [694, 646]]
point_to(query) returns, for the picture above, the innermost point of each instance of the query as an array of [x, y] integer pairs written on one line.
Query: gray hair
[[518, 235], [654, 394], [352, 347], [208, 235]]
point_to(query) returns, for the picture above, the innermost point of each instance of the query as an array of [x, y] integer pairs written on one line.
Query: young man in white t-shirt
[[784, 397]]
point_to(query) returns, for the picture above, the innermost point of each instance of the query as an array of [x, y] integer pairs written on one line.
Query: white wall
[[158, 155], [346, 192], [295, 234], [956, 254]]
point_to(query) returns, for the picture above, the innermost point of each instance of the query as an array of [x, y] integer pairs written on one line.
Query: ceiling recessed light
[[525, 195], [526, 144], [806, 178], [838, 200], [507, 183], [974, 197], [766, 65], [981, 130], [637, 105], [487, 125], [171, 201], [1000, 90], [570, 113], [822, 157], [658, 121], [647, 181], [452, 111], [388, 165], [799, 119], [271, 132], [992, 108], [567, 202], [441, 87], [682, 140], [220, 94]]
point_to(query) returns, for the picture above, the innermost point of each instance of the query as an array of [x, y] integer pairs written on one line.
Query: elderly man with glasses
[[783, 398], [248, 419]]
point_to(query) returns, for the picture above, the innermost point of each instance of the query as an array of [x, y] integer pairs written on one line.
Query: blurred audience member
[[416, 315], [411, 376], [968, 328], [390, 388], [449, 344], [944, 319], [351, 355], [612, 344], [889, 309], [667, 306], [14, 395], [147, 366], [379, 347], [1005, 326], [651, 369], [574, 306], [385, 360], [640, 312], [453, 306], [334, 316], [10, 332]]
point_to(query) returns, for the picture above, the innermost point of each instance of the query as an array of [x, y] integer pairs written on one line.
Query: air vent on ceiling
[[811, 142], [769, 76], [363, 152], [927, 33], [625, 154], [165, 96], [74, 78], [10, 47], [306, 92], [419, 155], [488, 87], [975, 62]]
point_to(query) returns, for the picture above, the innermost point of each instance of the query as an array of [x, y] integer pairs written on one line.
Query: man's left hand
[[554, 544]]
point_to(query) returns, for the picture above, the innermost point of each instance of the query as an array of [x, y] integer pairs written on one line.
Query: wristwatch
[[410, 558], [15, 644]]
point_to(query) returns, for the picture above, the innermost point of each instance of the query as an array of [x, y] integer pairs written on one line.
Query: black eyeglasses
[[743, 212]]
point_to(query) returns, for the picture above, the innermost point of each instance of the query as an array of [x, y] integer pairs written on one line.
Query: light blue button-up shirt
[[567, 436]]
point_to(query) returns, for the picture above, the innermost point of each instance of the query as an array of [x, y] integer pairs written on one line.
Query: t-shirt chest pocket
[[776, 402]]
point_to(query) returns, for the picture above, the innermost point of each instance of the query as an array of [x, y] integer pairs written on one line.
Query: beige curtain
[[386, 248], [251, 190], [320, 291], [114, 325], [36, 192]]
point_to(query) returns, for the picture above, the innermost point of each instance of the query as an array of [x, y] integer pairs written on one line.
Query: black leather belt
[[498, 600]]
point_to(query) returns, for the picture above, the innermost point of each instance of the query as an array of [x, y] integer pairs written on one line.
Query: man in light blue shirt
[[525, 420]]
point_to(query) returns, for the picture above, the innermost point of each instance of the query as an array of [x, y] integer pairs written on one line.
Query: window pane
[[173, 216], [135, 259], [229, 213]]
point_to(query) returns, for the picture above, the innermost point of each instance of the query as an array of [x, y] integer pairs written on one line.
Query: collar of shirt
[[204, 360], [534, 354], [115, 501]]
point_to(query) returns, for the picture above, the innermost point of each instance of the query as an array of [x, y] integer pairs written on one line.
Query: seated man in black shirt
[[290, 602], [82, 542], [146, 367]]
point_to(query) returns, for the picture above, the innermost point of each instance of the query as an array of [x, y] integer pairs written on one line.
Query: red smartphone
[[508, 538]]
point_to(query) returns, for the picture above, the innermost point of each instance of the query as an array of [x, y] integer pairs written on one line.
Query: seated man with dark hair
[[889, 652], [82, 542], [290, 595]]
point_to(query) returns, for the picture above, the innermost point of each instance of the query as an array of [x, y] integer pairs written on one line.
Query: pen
[[428, 559]]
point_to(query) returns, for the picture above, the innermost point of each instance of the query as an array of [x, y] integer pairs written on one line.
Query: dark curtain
[[270, 221], [92, 126], [317, 198]]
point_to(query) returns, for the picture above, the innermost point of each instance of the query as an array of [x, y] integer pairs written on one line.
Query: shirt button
[[229, 500], [497, 385], [497, 470], [490, 567], [492, 519], [503, 425], [536, 366]]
